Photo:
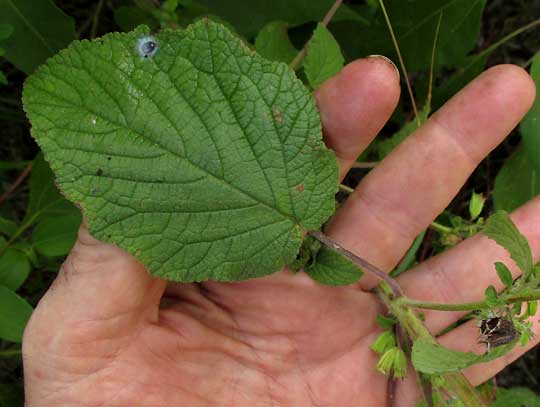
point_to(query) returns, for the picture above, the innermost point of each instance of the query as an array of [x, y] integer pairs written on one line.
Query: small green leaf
[[324, 58], [504, 274], [14, 314], [476, 204], [385, 322], [432, 358], [532, 308], [516, 182], [7, 227], [530, 125], [516, 397], [331, 268], [500, 228], [55, 236], [491, 296], [384, 341], [3, 79], [40, 30], [14, 269], [203, 160], [273, 42]]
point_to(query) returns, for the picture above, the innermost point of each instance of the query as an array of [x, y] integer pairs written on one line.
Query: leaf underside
[[205, 161]]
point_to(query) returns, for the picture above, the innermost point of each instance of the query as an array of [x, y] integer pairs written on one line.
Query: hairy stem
[[469, 306], [360, 262]]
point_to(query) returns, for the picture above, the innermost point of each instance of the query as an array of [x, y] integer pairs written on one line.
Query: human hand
[[109, 334]]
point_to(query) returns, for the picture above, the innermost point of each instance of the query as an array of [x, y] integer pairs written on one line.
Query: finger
[[465, 339], [462, 273], [354, 106], [403, 194], [99, 282]]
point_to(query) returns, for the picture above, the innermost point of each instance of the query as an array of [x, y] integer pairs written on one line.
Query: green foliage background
[[38, 226]]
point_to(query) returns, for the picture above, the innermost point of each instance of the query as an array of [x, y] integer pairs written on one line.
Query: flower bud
[[393, 361]]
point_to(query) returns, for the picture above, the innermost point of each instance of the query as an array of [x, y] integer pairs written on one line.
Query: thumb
[[100, 282]]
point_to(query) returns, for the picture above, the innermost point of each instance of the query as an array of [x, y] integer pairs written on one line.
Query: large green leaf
[[516, 182], [14, 314], [205, 161], [415, 23], [324, 58], [40, 30], [530, 125], [250, 17]]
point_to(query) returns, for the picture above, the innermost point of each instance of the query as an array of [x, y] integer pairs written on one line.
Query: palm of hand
[[106, 334]]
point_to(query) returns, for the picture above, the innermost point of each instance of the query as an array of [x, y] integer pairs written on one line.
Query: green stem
[[10, 352], [440, 228], [359, 261], [95, 21], [432, 67], [410, 256], [401, 62], [494, 46], [346, 189], [469, 306]]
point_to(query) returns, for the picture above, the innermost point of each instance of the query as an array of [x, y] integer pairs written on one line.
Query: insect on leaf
[[201, 158]]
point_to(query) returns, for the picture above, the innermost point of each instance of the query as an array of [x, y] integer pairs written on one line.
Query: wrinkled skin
[[109, 334]]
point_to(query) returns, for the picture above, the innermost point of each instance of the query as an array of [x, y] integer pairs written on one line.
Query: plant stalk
[[469, 306], [455, 382], [360, 262], [401, 62], [302, 54]]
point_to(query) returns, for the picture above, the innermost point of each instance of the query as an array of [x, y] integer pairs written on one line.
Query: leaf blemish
[[147, 47], [277, 115], [99, 172], [300, 188]]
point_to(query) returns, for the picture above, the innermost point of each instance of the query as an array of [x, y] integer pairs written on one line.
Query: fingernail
[[388, 61]]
